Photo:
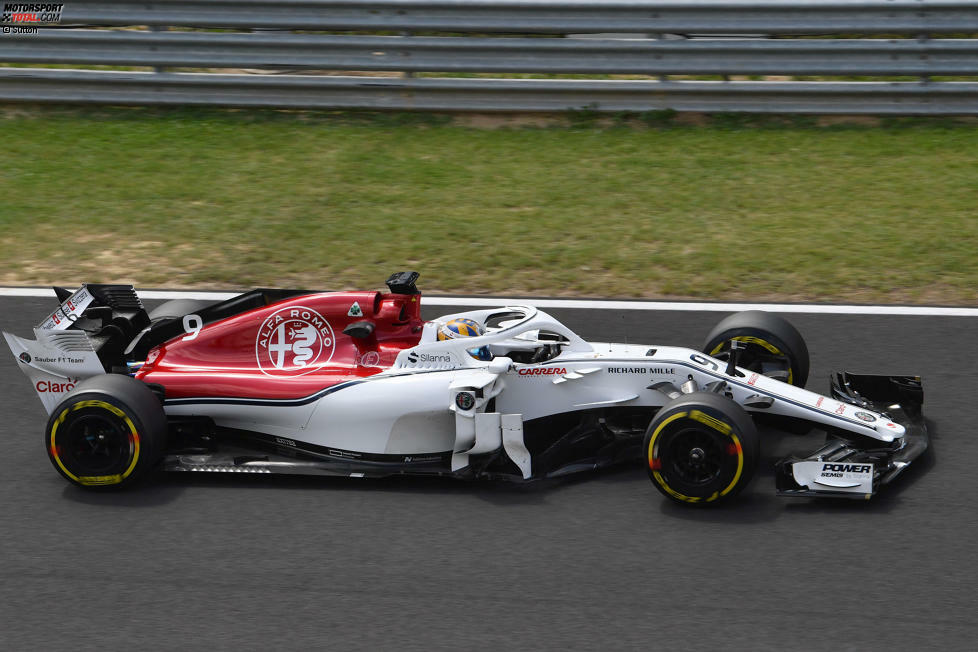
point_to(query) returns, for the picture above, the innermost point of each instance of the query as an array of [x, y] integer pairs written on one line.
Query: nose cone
[[889, 430]]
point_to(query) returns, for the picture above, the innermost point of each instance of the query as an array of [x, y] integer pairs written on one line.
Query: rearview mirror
[[500, 365]]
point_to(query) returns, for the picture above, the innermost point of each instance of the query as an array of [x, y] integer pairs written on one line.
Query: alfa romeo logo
[[294, 341], [464, 400], [369, 359]]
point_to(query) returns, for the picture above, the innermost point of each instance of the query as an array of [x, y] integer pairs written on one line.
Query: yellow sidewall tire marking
[[92, 480], [740, 465], [658, 429], [658, 476], [721, 427], [756, 340], [96, 479]]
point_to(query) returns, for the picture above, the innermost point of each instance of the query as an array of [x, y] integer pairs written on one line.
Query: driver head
[[461, 327]]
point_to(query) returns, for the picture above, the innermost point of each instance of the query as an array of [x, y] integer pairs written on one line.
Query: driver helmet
[[461, 327]]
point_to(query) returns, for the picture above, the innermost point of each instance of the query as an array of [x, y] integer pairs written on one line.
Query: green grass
[[739, 208]]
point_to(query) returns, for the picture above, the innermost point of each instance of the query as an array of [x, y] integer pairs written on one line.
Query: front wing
[[852, 466]]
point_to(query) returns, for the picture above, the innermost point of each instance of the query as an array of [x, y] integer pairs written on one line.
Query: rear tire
[[773, 345], [701, 448], [107, 432], [177, 308]]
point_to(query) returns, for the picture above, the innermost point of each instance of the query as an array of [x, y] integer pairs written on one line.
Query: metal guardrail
[[516, 52], [543, 16], [441, 94], [520, 55]]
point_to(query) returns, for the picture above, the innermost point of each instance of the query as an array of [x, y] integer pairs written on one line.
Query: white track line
[[583, 304], [706, 307]]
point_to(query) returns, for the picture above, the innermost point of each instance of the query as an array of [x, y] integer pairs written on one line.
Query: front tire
[[701, 448], [107, 432], [773, 347]]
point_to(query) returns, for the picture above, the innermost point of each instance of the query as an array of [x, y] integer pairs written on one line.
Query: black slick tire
[[701, 448], [772, 345], [108, 432], [177, 308]]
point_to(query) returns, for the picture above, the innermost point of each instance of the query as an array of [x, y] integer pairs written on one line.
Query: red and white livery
[[358, 384]]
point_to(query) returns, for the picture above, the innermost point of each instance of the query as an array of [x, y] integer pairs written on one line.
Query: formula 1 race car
[[357, 384]]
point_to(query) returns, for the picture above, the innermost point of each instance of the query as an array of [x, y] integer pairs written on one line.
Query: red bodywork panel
[[289, 349]]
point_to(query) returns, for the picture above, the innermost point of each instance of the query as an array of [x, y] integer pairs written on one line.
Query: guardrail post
[[407, 73], [158, 28], [661, 37], [923, 38]]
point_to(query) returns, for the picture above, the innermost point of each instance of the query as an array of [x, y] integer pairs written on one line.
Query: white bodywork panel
[[397, 415], [55, 362], [59, 358], [843, 477], [279, 418]]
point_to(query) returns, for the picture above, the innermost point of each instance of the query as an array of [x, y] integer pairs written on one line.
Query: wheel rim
[[696, 456], [95, 444], [759, 356]]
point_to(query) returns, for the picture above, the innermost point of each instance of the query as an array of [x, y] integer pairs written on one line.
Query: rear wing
[[85, 336]]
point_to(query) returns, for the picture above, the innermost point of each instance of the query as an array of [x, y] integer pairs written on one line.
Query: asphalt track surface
[[598, 562]]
